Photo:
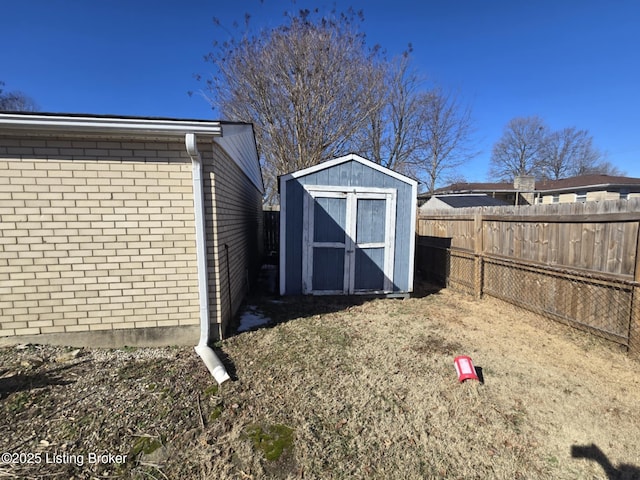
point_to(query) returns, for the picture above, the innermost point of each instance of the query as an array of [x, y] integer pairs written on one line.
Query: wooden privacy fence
[[577, 263], [271, 235]]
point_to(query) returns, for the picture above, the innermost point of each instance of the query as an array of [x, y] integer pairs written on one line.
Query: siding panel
[[234, 229]]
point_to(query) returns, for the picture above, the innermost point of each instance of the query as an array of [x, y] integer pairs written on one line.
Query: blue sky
[[573, 63]]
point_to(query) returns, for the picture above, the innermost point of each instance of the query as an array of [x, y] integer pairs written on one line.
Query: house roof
[[476, 187], [586, 181], [107, 123], [544, 186], [470, 200], [236, 138]]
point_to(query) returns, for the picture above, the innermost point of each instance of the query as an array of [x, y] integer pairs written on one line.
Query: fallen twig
[[200, 411]]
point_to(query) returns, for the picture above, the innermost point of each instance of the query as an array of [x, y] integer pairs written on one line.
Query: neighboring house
[[125, 230], [501, 191], [447, 202], [347, 226], [582, 188], [587, 188]]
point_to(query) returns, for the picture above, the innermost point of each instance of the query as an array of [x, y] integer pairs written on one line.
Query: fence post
[[478, 250], [634, 321]]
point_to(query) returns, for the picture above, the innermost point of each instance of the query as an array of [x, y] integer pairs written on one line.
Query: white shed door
[[348, 240]]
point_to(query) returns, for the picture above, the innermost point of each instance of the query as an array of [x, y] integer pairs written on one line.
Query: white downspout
[[210, 359]]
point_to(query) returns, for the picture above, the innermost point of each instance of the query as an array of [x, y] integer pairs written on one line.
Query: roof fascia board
[[110, 125]]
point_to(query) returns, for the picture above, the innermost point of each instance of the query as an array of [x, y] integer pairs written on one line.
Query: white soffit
[[106, 124]]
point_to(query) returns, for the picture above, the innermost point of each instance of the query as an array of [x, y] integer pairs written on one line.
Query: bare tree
[[569, 152], [604, 167], [16, 101], [422, 133], [520, 150], [528, 147], [390, 136], [307, 86], [445, 132]]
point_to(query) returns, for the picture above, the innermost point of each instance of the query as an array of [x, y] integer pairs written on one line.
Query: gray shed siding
[[349, 174]]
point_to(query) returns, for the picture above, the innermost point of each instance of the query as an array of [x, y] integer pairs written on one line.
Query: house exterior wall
[[234, 234], [567, 197], [592, 196], [95, 235], [600, 195], [348, 174]]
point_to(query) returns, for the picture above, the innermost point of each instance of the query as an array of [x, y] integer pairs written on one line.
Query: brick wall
[[95, 235], [236, 239]]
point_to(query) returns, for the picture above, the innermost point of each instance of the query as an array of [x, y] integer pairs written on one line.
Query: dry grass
[[371, 392], [368, 390]]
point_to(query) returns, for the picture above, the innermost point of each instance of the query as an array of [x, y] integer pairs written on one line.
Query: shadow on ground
[[265, 300], [592, 452], [19, 381]]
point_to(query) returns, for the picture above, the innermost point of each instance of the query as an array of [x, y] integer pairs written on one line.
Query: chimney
[[525, 186]]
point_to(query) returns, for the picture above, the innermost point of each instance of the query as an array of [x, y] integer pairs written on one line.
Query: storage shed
[[347, 227], [125, 230]]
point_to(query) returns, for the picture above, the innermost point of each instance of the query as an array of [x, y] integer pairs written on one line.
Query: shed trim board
[[351, 195], [346, 158]]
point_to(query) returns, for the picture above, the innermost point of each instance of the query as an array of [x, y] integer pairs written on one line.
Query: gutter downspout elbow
[[210, 359]]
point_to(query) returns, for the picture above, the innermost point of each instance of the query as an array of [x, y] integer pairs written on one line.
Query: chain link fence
[[462, 271], [600, 304]]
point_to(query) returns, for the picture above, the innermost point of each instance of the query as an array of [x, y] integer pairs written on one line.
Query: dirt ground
[[335, 388]]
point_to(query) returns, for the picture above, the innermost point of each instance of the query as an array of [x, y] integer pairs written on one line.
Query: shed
[[125, 230], [347, 227]]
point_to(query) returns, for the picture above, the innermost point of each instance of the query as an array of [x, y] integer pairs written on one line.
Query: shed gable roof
[[348, 158]]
